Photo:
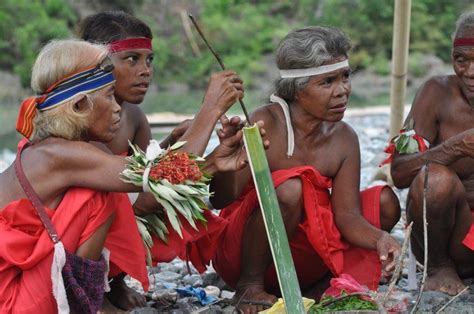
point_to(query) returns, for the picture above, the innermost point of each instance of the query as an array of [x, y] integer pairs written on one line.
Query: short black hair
[[106, 27]]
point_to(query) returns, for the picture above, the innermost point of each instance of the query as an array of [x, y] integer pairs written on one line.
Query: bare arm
[[224, 89], [424, 119], [177, 133], [84, 165], [345, 197]]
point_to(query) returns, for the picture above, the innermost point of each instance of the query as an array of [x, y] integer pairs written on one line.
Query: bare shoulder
[[343, 132], [271, 114], [434, 91], [133, 115]]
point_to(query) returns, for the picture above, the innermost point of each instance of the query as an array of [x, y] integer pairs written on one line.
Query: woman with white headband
[[315, 162], [55, 201]]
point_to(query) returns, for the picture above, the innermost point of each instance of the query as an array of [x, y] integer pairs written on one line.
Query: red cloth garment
[[197, 246], [423, 145], [26, 250], [469, 238], [316, 245]]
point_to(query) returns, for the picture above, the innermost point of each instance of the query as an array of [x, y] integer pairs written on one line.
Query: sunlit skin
[[106, 115], [331, 146], [443, 113], [133, 71]]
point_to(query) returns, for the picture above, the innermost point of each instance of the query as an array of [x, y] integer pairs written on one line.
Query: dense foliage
[[244, 32], [25, 26]]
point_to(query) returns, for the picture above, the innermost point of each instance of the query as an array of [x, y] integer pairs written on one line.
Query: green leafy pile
[[406, 144], [347, 302], [177, 183]]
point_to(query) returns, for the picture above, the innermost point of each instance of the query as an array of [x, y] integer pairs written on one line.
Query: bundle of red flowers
[[176, 167], [177, 183]]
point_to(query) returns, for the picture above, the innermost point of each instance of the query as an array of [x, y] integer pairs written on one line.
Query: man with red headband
[[442, 115], [130, 44]]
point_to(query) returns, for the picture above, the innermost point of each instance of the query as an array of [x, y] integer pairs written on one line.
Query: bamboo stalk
[[400, 44], [189, 33], [277, 237]]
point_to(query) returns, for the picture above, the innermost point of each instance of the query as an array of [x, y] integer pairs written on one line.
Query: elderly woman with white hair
[[315, 164], [59, 223]]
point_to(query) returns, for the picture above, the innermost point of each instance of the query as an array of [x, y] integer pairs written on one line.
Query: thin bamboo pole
[[400, 44], [277, 237]]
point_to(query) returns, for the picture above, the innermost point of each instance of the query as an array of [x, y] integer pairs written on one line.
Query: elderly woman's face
[[105, 118], [326, 95]]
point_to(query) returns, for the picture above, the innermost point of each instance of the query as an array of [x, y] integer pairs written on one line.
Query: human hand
[[180, 130], [229, 127], [223, 90], [229, 155], [462, 144], [389, 252], [176, 133]]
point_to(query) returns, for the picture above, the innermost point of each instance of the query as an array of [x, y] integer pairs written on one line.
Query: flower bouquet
[[176, 181]]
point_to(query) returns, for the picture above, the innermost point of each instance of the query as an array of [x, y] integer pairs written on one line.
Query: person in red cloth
[[73, 179], [442, 115], [129, 40], [314, 158]]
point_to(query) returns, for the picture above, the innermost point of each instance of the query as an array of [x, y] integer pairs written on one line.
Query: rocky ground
[[372, 127]]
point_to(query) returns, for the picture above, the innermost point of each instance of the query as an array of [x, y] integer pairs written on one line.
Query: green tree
[[25, 26]]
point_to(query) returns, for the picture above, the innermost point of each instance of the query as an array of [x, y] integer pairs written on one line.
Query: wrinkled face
[[326, 95], [463, 64], [105, 117], [133, 73]]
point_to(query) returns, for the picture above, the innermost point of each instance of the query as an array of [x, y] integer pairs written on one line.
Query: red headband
[[463, 42], [130, 43]]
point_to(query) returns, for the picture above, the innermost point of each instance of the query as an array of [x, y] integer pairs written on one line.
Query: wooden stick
[[398, 268], [425, 240], [452, 299], [219, 60]]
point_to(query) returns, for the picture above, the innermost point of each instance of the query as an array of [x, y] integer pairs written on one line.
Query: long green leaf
[[274, 226]]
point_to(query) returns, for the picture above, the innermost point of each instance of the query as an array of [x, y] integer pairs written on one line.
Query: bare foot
[[124, 297], [444, 279], [251, 299]]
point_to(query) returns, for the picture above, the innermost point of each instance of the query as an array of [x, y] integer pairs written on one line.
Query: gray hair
[[307, 47], [57, 60], [466, 20]]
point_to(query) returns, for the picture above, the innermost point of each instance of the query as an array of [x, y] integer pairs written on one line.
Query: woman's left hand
[[389, 252], [230, 155]]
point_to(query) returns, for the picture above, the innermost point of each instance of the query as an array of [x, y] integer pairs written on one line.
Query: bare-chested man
[[443, 114], [315, 162]]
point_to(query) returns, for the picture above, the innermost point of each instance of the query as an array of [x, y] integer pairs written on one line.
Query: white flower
[[153, 150]]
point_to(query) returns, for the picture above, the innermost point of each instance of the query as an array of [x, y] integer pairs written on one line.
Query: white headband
[[313, 71]]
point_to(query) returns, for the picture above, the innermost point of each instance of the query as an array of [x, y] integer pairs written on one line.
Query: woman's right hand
[[223, 90]]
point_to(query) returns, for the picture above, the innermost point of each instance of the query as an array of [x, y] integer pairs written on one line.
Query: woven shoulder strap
[[33, 197]]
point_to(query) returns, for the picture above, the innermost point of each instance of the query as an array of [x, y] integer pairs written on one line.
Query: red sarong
[[316, 245], [197, 246], [26, 251]]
